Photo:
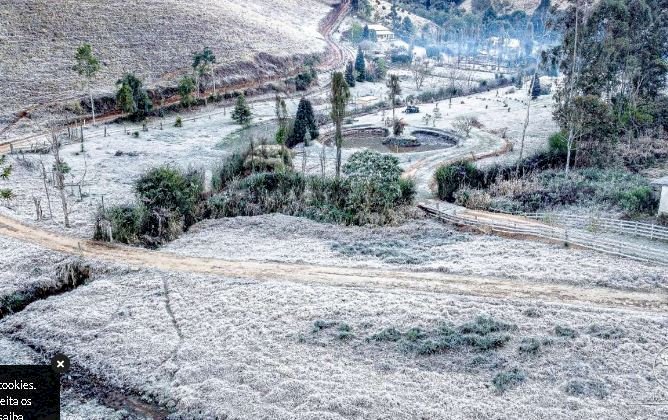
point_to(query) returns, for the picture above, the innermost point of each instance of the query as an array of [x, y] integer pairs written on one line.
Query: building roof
[[661, 181], [378, 28]]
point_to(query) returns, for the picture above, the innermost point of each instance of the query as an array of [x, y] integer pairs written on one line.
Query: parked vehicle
[[412, 109]]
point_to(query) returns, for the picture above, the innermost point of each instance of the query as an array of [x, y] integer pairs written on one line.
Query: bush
[[638, 200], [565, 332], [178, 123], [529, 346], [508, 379], [606, 333], [587, 388], [123, 222], [171, 190], [449, 178], [558, 143]]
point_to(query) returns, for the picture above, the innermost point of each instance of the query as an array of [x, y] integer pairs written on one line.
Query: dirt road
[[338, 276]]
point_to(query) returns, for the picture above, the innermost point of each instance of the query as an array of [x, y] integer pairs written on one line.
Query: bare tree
[[463, 125], [420, 68], [59, 169]]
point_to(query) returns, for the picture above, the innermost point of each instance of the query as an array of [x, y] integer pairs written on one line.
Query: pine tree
[[242, 114], [360, 66], [350, 74], [365, 33], [304, 123]]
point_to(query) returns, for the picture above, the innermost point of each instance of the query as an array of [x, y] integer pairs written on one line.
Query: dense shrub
[[449, 178], [122, 222], [370, 192], [168, 203], [171, 189], [508, 379]]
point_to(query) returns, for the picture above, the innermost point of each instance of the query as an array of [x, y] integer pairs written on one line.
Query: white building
[[382, 33], [663, 204]]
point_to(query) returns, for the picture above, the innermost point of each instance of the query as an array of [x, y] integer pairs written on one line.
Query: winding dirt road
[[336, 276]]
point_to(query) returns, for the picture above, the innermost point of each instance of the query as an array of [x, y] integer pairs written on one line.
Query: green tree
[[350, 74], [393, 89], [304, 123], [360, 65], [242, 113], [365, 33], [132, 98], [203, 63], [87, 66], [340, 96], [186, 89], [6, 194]]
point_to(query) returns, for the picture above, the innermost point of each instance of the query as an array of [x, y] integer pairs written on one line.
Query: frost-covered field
[[206, 347], [24, 267], [155, 40], [422, 244]]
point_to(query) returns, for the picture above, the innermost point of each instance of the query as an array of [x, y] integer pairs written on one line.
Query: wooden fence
[[594, 223], [567, 236]]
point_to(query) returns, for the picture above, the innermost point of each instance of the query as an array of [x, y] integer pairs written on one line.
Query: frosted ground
[[158, 49], [110, 165], [249, 350], [420, 245]]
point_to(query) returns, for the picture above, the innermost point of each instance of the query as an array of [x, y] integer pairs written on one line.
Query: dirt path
[[337, 276]]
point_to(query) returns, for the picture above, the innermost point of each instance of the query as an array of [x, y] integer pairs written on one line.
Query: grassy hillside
[[155, 39]]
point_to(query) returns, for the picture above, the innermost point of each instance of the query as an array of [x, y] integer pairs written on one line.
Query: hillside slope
[[154, 39]]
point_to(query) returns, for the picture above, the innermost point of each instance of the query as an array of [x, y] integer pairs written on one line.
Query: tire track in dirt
[[427, 281]]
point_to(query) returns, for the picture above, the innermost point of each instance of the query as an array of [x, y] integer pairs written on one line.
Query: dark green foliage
[[305, 79], [345, 332], [350, 74], [170, 189], [586, 388], [360, 66], [508, 379], [304, 122], [231, 168], [132, 98], [186, 89], [562, 331], [615, 189], [639, 200], [484, 325], [449, 178], [320, 325], [242, 113], [530, 346], [482, 334], [606, 333], [370, 192], [558, 143], [388, 334], [125, 222]]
